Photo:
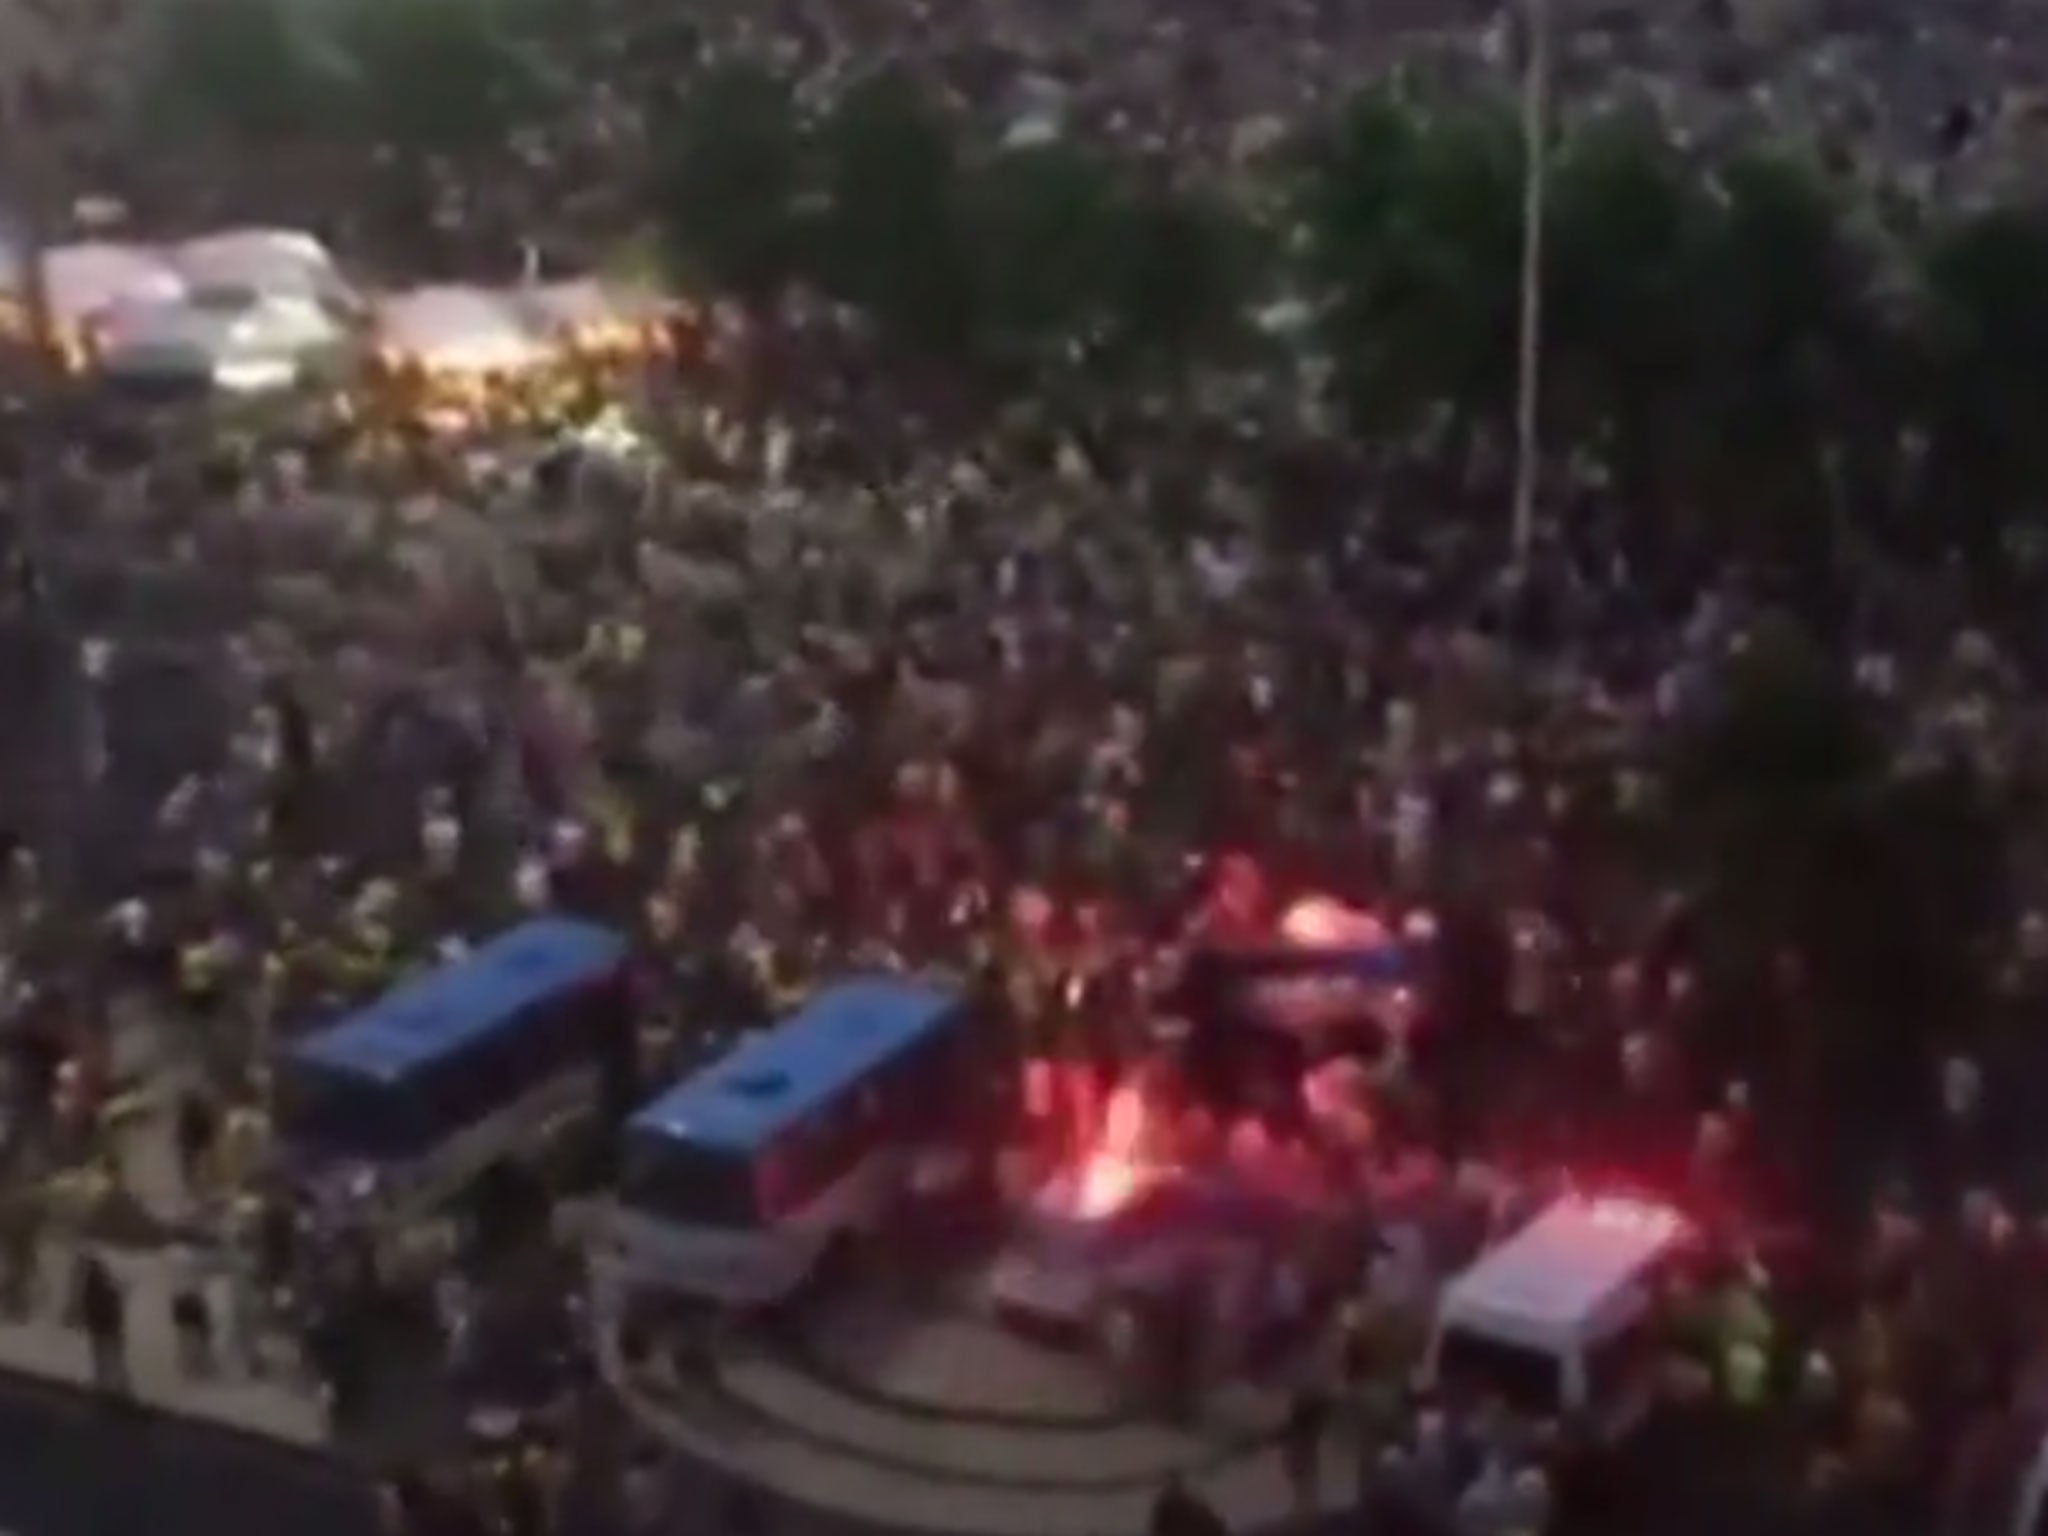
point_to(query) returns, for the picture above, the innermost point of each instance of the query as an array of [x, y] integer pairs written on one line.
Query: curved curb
[[805, 1355], [1214, 1452], [725, 1452]]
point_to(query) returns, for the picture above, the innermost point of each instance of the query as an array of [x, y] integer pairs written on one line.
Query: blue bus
[[475, 1064], [737, 1181]]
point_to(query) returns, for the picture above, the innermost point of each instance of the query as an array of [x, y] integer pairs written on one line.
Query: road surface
[[72, 1466]]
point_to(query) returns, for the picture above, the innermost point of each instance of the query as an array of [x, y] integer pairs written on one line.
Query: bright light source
[[483, 354], [1123, 1126], [1320, 922], [1619, 1214], [1105, 1186], [255, 375]]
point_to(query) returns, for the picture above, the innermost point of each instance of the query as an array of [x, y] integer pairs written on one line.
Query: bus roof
[[1567, 1277], [768, 1083], [426, 1019]]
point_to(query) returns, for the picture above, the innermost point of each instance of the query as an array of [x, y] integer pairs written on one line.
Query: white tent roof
[[1566, 1278], [458, 330], [162, 336], [87, 279], [267, 260], [583, 303]]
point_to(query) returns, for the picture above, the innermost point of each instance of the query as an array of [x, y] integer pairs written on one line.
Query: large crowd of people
[[302, 701], [302, 720]]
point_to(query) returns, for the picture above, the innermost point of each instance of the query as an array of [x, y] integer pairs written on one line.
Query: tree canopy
[[244, 71], [730, 182], [1015, 263], [1412, 224], [440, 76], [1747, 353], [888, 237], [1984, 391], [413, 77], [1843, 898]]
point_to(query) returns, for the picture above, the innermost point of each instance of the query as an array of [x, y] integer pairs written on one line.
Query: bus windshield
[[679, 1182]]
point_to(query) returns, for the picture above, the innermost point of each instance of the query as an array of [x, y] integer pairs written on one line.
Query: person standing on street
[[196, 1129], [192, 1320], [102, 1313], [20, 1251], [1177, 1511], [1301, 1447]]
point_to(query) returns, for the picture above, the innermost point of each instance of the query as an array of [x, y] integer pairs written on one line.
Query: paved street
[[954, 1426], [71, 1466], [278, 1404], [261, 1386]]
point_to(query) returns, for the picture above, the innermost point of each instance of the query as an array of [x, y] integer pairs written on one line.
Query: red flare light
[[1116, 1169], [1105, 1186]]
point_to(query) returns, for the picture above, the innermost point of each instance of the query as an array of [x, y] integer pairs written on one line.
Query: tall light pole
[[1529, 352]]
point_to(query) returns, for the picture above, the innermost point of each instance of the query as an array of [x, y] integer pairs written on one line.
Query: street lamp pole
[[1529, 353]]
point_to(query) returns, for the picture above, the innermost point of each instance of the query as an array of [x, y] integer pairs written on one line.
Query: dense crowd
[[310, 710], [300, 704]]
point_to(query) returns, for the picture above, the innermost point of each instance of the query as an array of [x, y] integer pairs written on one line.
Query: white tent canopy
[[458, 330], [279, 261], [88, 279], [582, 307]]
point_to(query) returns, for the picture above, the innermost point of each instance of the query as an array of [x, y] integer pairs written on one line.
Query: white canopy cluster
[[251, 308]]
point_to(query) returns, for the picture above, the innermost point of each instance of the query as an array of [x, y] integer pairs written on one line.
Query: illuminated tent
[[88, 279], [588, 313], [458, 331], [266, 261]]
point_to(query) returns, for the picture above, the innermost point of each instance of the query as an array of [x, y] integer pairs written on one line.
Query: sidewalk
[[277, 1405], [864, 1469], [268, 1397]]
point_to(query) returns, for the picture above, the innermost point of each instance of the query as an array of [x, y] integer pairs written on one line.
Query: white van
[[1551, 1319]]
